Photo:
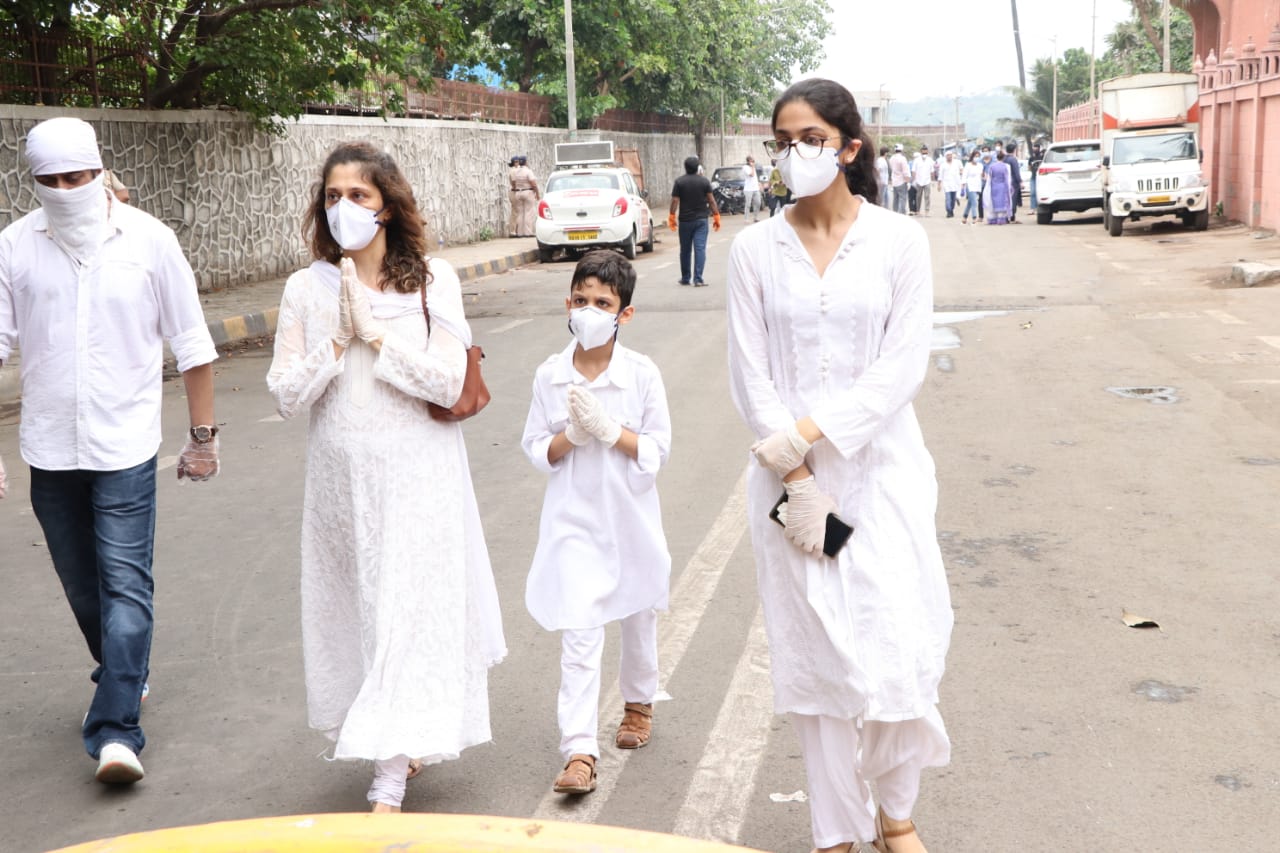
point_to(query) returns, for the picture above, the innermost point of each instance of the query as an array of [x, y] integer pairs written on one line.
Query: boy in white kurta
[[599, 426]]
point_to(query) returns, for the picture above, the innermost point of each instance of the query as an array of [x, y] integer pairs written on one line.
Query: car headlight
[[1123, 185], [1191, 182]]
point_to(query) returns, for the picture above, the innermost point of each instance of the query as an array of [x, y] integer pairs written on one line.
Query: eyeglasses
[[808, 148]]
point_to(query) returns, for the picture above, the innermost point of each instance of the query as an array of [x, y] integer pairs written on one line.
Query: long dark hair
[[405, 265], [835, 105]]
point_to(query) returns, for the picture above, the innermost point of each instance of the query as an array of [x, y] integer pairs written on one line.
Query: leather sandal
[[578, 776], [636, 726], [882, 835]]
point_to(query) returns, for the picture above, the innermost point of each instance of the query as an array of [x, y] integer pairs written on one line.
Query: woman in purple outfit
[[1001, 191]]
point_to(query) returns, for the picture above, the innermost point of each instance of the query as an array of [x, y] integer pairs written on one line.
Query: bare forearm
[[199, 385]]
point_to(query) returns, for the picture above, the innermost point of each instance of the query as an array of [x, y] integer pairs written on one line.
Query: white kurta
[[601, 553], [400, 618], [866, 632]]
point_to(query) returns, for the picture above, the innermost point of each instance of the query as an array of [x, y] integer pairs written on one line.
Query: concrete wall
[[236, 196]]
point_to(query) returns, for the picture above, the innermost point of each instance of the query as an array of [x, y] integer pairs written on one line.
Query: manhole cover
[[1161, 394]]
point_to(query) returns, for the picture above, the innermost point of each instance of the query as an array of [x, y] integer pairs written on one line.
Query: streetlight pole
[[1167, 60], [1093, 40], [1053, 115], [571, 83], [880, 119]]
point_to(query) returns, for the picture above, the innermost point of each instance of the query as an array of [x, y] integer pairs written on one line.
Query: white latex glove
[[346, 331], [782, 452], [362, 322], [807, 511], [198, 461], [586, 412], [4, 483]]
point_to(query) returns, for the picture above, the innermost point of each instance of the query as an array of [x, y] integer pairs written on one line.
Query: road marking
[[1270, 340], [506, 327], [271, 419], [1224, 317], [1123, 267], [715, 806], [1167, 315], [689, 601], [164, 463]]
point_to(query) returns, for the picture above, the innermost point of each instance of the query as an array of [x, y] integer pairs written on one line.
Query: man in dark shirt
[[1015, 181], [692, 197]]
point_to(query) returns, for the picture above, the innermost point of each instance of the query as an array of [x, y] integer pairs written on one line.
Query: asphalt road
[[1062, 505]]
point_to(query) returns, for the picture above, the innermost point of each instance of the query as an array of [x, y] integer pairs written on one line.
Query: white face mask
[[806, 177], [77, 217], [592, 326], [353, 226]]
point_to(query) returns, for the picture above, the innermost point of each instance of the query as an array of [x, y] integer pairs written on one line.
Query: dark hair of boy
[[612, 270]]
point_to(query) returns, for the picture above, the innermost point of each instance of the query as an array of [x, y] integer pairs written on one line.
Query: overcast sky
[[953, 47]]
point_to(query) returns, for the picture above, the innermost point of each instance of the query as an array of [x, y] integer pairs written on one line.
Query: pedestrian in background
[[857, 640], [900, 178], [524, 197], [600, 429], [923, 177], [751, 198], [1033, 166], [400, 619], [692, 199], [1015, 180], [882, 176], [92, 290], [972, 188], [999, 186], [949, 178]]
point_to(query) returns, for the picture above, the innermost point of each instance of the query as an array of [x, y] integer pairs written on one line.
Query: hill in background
[[980, 114]]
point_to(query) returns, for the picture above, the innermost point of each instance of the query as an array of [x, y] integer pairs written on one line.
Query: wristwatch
[[203, 434]]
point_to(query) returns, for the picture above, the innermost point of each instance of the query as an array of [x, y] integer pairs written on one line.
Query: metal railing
[[72, 71]]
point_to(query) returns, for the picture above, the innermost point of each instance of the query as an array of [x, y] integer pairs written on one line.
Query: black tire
[[629, 246], [1044, 215], [647, 245], [1200, 220], [1115, 224], [545, 254]]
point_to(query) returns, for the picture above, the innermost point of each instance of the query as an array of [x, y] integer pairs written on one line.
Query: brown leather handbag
[[475, 394]]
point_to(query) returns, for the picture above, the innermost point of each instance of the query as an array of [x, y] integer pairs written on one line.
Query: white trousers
[[388, 780], [842, 762], [580, 652]]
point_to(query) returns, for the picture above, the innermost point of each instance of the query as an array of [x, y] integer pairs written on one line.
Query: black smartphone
[[838, 532]]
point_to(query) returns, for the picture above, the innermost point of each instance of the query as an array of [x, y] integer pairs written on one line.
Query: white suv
[[592, 207], [1069, 178]]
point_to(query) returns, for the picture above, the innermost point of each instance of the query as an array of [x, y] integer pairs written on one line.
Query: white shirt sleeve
[[750, 381], [653, 438], [297, 377], [537, 432], [182, 321]]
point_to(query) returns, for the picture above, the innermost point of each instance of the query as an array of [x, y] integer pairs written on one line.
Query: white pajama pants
[[580, 652], [842, 762]]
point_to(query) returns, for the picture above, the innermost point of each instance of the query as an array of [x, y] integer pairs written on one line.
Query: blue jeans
[[693, 237], [100, 528], [951, 203], [900, 194], [971, 203]]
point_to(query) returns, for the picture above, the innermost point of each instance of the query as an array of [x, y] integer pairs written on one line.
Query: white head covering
[[62, 144]]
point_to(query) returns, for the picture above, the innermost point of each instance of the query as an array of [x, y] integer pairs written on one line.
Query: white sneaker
[[118, 765]]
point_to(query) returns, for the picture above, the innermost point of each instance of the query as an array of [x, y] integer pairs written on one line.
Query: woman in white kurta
[[400, 618], [830, 311]]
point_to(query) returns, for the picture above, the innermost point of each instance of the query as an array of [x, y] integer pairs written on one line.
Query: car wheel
[[1200, 220], [647, 245], [629, 246], [1044, 215], [545, 254], [1115, 224]]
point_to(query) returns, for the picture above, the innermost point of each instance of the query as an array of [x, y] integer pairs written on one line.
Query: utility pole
[[722, 124], [880, 118], [1093, 39], [1053, 115], [571, 82], [1165, 13]]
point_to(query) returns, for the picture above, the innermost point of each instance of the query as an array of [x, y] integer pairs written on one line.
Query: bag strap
[[425, 310]]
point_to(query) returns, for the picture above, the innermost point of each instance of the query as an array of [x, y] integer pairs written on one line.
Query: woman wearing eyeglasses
[[830, 316]]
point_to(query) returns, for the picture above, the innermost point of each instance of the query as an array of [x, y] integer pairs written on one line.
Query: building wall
[[235, 196], [1237, 45]]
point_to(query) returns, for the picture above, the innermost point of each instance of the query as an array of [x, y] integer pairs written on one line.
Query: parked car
[[591, 207], [1069, 178]]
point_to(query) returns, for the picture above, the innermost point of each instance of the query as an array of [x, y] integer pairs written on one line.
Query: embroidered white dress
[[865, 633], [400, 618], [601, 553]]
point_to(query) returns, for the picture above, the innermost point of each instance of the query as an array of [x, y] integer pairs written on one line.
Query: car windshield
[[1153, 149], [583, 181], [1071, 154], [730, 173]]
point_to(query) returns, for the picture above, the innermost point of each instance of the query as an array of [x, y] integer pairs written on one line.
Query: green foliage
[[1130, 49]]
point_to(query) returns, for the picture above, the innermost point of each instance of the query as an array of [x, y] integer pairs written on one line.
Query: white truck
[[1151, 151]]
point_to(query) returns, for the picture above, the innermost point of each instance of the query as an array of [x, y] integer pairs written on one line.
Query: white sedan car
[[593, 207], [1069, 178]]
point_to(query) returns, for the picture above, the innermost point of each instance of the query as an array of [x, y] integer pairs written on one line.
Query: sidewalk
[[250, 310]]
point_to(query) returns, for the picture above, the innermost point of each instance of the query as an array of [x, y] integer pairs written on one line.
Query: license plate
[[582, 235], [1159, 199]]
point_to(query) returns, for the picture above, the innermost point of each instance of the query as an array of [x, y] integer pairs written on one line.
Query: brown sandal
[[883, 835], [578, 776], [636, 726]]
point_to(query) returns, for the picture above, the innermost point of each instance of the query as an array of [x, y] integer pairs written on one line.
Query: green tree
[[1136, 46]]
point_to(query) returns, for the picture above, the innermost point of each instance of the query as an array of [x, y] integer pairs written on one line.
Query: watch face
[[202, 433]]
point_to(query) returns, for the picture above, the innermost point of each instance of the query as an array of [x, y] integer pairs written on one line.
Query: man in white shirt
[[899, 179], [91, 289], [949, 178], [751, 191], [922, 174]]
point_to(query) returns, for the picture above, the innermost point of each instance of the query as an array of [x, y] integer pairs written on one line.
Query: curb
[[231, 330]]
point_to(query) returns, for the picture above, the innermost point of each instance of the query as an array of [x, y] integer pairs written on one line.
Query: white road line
[[164, 463], [1224, 317], [506, 327], [271, 419], [1270, 340], [716, 803], [689, 601], [1123, 267]]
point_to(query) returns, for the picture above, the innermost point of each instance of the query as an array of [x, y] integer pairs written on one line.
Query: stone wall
[[236, 196]]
